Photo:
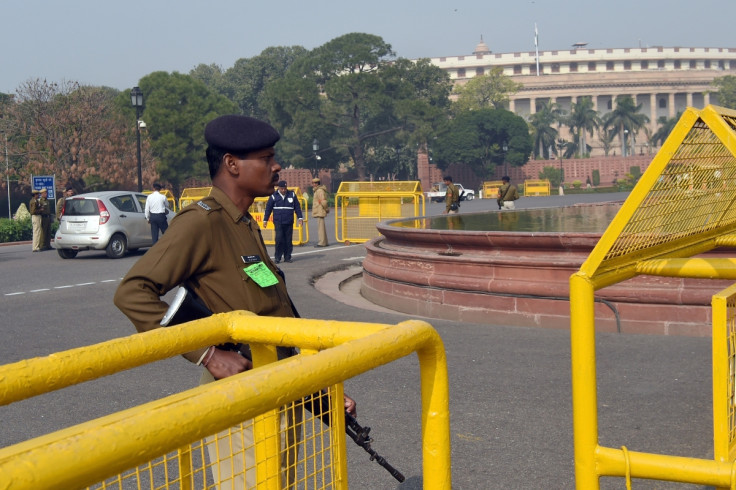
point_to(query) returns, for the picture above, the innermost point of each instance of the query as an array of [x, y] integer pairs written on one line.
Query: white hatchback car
[[112, 221]]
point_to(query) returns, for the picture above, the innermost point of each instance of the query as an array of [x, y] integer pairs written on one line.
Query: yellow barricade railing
[[192, 194], [536, 188], [684, 205], [301, 232], [360, 206], [140, 444], [490, 189]]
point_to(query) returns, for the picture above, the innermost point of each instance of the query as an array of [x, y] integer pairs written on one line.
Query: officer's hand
[[226, 363], [351, 406]]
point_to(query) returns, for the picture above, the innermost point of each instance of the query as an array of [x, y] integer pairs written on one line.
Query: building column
[[706, 98], [532, 105], [653, 112], [671, 103], [512, 105], [689, 97]]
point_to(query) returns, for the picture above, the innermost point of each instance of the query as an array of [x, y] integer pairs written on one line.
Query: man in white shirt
[[156, 210]]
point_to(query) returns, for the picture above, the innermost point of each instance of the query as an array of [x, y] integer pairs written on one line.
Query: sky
[[101, 42]]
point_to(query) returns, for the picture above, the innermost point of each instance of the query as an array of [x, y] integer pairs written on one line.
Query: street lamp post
[[505, 149], [561, 143], [136, 98], [317, 158], [7, 173]]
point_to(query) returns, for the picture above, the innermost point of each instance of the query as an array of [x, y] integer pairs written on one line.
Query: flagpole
[[536, 45]]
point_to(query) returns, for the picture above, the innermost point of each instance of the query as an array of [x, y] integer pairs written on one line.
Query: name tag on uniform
[[250, 259], [261, 274]]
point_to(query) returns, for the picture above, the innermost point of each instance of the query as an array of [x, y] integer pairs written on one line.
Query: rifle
[[187, 307]]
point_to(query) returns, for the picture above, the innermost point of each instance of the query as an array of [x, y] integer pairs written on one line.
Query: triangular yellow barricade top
[[683, 205]]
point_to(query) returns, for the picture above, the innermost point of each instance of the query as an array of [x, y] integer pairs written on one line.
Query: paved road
[[511, 416]]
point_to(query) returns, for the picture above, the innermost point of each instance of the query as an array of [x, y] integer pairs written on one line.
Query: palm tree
[[542, 129], [625, 118], [583, 119], [606, 138], [666, 125]]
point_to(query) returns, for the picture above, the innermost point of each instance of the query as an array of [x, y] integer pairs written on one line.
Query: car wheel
[[66, 253], [470, 197], [117, 246]]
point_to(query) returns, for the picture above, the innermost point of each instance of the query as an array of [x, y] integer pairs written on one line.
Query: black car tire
[[66, 253], [117, 247]]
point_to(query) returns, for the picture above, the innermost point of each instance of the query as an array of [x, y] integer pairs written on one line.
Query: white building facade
[[663, 80]]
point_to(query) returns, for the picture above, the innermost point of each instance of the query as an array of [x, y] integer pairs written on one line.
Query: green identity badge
[[261, 274]]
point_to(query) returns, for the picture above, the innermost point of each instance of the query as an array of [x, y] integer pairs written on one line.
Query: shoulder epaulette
[[203, 205]]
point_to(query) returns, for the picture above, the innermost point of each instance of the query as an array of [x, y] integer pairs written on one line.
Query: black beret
[[240, 134], [282, 183]]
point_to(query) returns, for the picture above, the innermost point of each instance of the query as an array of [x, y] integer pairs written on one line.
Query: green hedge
[[20, 230]]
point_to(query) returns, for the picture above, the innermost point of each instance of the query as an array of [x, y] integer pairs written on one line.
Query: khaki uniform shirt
[[319, 203], [202, 248], [451, 196]]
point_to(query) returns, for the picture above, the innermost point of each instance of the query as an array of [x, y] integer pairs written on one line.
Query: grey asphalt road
[[510, 400]]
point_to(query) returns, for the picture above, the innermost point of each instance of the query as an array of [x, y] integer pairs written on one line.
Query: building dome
[[482, 48]]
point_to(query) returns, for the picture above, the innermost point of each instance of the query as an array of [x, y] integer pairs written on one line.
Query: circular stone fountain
[[513, 268]]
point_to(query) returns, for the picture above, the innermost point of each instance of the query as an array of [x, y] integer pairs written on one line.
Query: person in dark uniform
[[283, 204], [205, 248], [44, 208]]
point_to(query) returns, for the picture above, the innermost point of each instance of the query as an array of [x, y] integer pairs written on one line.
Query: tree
[[354, 98], [485, 91], [581, 120], [246, 81], [666, 125], [75, 132], [177, 108], [543, 133], [606, 138], [477, 137], [726, 91], [625, 118], [553, 174]]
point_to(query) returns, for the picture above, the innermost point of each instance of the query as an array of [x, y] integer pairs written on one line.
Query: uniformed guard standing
[[45, 210], [452, 196], [283, 204], [214, 247], [320, 208], [35, 209]]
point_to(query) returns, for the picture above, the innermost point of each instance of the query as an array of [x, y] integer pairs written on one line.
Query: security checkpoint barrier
[[301, 232], [159, 444], [169, 198], [536, 188], [490, 189], [360, 206], [193, 194], [684, 205]]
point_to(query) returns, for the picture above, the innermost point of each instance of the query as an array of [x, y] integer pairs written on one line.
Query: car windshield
[[81, 207]]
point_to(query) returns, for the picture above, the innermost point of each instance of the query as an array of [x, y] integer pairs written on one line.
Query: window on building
[[591, 66], [573, 67], [555, 68], [722, 65], [609, 65], [461, 58], [663, 103], [693, 64], [644, 65], [706, 65], [678, 65], [732, 65], [461, 72], [627, 65], [660, 64], [517, 69], [479, 71], [610, 104]]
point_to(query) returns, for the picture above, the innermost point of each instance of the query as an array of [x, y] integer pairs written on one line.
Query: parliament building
[[663, 80]]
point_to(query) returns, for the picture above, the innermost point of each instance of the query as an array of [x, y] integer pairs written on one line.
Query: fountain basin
[[449, 268]]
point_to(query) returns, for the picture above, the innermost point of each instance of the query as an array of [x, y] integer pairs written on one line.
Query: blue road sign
[[47, 181]]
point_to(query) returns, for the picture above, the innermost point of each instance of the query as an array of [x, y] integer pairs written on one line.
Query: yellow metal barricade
[[360, 206], [160, 444], [490, 189], [301, 232], [169, 198], [193, 194], [536, 188], [684, 205]]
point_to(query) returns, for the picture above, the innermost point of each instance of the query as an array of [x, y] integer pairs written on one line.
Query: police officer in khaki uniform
[[209, 244]]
